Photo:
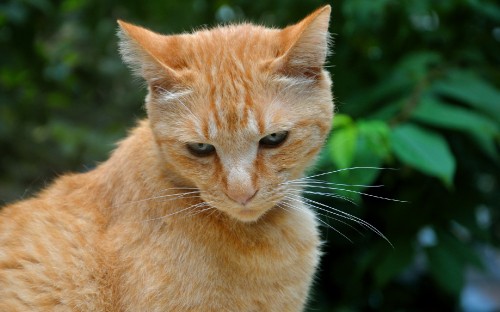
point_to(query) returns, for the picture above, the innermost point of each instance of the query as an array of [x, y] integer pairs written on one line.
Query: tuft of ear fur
[[305, 45], [149, 54]]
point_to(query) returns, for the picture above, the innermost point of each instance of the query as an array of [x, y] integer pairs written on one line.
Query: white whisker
[[177, 188], [180, 197], [335, 212], [357, 192], [176, 196], [309, 183], [318, 219], [202, 210], [331, 195], [340, 170], [194, 206], [339, 213], [330, 217]]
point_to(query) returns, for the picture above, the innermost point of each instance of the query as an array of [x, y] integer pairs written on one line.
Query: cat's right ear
[[150, 55]]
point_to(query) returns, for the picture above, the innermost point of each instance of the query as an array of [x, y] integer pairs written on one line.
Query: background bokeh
[[417, 87]]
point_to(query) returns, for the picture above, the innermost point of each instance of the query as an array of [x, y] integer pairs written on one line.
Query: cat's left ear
[[150, 55], [304, 46]]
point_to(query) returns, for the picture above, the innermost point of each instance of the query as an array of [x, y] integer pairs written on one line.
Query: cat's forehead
[[233, 109], [233, 47]]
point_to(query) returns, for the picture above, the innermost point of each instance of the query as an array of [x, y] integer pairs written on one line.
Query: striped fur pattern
[[160, 228]]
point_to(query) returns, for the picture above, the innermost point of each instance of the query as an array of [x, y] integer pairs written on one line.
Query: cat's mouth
[[250, 210], [246, 213]]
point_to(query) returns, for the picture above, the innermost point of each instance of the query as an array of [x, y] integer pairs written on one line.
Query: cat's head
[[236, 110]]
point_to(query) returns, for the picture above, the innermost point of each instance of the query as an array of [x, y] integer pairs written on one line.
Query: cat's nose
[[242, 196]]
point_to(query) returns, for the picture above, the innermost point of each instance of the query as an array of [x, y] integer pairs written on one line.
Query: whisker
[[202, 210], [215, 210], [177, 188], [313, 181], [340, 170], [358, 192], [174, 213], [174, 195], [336, 212], [180, 197], [335, 219], [339, 213], [318, 219], [177, 196], [331, 195], [310, 185]]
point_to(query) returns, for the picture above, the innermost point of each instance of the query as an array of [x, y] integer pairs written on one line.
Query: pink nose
[[241, 196]]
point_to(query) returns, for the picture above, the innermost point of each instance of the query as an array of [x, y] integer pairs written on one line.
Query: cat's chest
[[181, 269]]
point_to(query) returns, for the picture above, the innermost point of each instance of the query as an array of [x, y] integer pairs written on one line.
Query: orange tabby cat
[[189, 213]]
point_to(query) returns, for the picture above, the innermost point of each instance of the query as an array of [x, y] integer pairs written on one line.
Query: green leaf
[[365, 143], [342, 120], [424, 150], [360, 144], [390, 110], [434, 112], [471, 89], [365, 156], [489, 10], [376, 133], [447, 270], [381, 95], [416, 65], [342, 146]]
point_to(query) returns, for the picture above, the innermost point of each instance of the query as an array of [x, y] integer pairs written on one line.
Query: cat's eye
[[273, 139], [201, 149]]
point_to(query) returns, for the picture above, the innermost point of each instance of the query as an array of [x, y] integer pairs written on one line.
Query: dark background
[[417, 87]]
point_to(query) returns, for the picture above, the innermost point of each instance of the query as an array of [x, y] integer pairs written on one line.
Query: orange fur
[[121, 238]]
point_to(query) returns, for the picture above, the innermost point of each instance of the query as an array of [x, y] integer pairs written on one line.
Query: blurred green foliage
[[417, 86]]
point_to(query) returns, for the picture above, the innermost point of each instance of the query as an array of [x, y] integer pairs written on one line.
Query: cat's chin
[[247, 215]]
